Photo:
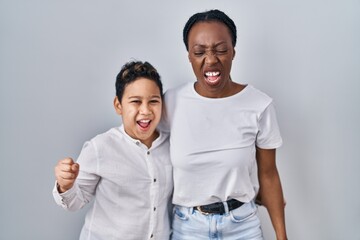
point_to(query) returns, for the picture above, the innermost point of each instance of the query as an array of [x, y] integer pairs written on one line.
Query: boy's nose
[[144, 109]]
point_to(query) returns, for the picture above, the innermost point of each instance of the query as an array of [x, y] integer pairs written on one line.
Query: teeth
[[212, 74], [144, 121]]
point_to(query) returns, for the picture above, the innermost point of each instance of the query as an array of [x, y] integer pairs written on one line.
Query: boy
[[127, 169]]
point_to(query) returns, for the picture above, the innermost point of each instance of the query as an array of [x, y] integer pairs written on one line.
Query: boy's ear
[[117, 106]]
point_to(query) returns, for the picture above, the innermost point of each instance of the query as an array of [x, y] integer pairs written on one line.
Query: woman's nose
[[210, 58]]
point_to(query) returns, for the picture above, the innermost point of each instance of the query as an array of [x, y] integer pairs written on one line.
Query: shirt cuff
[[63, 198]]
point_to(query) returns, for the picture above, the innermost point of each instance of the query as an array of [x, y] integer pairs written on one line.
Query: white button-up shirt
[[131, 184]]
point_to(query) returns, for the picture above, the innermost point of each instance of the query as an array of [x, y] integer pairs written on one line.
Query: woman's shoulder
[[257, 94], [255, 98]]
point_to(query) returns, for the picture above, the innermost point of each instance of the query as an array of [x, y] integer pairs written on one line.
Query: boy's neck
[[148, 142]]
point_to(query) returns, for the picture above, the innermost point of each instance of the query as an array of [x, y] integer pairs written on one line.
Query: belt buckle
[[199, 209]]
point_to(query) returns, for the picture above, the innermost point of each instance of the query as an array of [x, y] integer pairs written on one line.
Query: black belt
[[218, 207]]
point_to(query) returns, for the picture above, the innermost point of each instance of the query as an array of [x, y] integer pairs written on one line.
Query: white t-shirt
[[131, 184], [212, 143]]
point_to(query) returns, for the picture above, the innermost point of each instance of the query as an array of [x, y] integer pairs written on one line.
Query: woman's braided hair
[[208, 16]]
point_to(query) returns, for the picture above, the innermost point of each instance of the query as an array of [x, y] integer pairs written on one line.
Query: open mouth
[[144, 124], [212, 78]]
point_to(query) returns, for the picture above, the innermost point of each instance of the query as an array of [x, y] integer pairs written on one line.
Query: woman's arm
[[270, 189]]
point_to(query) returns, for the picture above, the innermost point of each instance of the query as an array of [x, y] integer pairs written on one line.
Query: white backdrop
[[59, 59]]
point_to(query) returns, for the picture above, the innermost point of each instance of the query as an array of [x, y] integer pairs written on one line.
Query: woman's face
[[211, 53]]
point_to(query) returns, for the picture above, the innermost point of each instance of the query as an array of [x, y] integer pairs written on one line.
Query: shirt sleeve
[[164, 125], [268, 136], [85, 185]]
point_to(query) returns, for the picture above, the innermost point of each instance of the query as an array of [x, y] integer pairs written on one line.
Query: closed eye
[[198, 54], [221, 52], [154, 101]]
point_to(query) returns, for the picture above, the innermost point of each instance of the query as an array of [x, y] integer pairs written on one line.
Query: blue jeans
[[239, 224]]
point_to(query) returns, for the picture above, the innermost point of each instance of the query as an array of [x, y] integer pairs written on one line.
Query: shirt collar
[[160, 139]]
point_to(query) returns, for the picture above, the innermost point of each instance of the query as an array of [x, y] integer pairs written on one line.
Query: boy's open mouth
[[144, 123]]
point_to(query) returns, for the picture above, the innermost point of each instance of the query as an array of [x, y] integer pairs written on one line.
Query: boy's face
[[140, 108]]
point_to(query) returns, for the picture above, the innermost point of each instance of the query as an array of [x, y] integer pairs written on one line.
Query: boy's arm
[[77, 193]]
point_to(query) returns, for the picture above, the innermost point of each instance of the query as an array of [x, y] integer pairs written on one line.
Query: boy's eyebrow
[[152, 96]]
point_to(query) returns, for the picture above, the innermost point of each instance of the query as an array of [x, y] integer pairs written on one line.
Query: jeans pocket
[[181, 213], [243, 213]]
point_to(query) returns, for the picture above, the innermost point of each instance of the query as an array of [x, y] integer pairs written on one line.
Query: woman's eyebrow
[[205, 46]]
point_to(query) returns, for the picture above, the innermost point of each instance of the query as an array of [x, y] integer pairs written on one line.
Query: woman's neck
[[228, 90]]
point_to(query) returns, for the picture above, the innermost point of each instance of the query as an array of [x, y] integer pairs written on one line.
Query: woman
[[223, 141]]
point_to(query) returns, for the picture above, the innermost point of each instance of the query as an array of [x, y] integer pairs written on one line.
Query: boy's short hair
[[134, 70]]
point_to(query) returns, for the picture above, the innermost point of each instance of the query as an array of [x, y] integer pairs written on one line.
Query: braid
[[212, 15], [134, 70]]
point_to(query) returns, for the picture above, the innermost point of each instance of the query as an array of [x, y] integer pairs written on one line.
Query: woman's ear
[[117, 106]]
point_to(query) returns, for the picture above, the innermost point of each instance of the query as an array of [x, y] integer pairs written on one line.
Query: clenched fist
[[66, 172]]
